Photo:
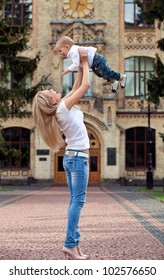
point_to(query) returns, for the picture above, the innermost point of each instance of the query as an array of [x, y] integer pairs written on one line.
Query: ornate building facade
[[116, 123]]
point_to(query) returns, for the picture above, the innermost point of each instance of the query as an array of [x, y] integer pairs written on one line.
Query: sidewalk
[[115, 224]]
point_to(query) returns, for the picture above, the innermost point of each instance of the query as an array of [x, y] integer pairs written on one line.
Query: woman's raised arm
[[77, 82], [81, 88]]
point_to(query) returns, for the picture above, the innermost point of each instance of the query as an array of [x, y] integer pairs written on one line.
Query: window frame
[[13, 10], [134, 143], [13, 79], [27, 81], [135, 8], [138, 75], [20, 143]]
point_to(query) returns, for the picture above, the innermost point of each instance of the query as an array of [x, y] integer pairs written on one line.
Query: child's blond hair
[[64, 40]]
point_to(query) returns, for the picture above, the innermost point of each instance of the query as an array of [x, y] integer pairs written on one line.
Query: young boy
[[99, 65]]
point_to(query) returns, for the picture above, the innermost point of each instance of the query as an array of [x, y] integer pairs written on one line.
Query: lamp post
[[149, 172]]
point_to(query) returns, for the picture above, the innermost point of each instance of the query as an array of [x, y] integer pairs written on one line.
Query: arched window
[[16, 148], [18, 12], [138, 71], [133, 16], [136, 148], [68, 80]]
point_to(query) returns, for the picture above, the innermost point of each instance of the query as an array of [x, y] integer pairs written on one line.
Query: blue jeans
[[102, 69], [77, 173]]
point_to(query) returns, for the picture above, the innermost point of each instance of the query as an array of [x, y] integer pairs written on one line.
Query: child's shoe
[[123, 80], [115, 86]]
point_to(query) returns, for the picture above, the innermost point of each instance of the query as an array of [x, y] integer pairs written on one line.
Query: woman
[[53, 115]]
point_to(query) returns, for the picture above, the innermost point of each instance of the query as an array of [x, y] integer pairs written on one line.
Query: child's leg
[[102, 69]]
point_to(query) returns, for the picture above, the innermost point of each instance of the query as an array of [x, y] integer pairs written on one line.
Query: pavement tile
[[112, 225]]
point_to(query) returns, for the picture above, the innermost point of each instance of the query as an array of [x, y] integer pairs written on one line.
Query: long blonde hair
[[45, 121]]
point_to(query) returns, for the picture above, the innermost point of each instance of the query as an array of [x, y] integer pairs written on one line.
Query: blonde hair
[[64, 40], [45, 120]]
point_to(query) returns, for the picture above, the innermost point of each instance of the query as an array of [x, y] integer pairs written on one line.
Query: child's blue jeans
[[77, 172], [102, 69]]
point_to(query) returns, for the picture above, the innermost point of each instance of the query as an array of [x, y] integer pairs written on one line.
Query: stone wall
[[106, 27]]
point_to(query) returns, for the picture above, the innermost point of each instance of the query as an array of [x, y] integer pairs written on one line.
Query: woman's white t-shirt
[[71, 123]]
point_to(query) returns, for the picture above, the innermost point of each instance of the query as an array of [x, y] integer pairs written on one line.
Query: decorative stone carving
[[95, 120], [140, 40], [83, 32], [107, 87], [88, 104], [132, 104]]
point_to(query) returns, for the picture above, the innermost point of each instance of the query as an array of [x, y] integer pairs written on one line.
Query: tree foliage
[[13, 41], [154, 10], [151, 10], [156, 82]]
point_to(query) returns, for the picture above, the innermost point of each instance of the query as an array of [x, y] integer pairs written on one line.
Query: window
[[18, 12], [133, 16], [68, 80], [136, 148], [17, 148], [13, 80], [18, 78], [138, 71]]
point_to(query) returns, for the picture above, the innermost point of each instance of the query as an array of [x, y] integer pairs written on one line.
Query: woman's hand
[[83, 55]]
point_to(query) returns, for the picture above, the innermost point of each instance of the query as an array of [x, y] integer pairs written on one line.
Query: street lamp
[[149, 172]]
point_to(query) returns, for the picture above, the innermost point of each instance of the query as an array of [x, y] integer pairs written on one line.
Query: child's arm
[[65, 72], [74, 57], [72, 68]]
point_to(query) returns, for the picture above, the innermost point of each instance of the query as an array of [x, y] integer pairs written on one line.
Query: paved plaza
[[116, 223]]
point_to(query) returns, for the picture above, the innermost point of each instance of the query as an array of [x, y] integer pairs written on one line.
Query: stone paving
[[115, 224]]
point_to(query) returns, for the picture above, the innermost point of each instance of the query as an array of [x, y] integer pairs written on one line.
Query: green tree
[[13, 41], [154, 10], [3, 148]]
